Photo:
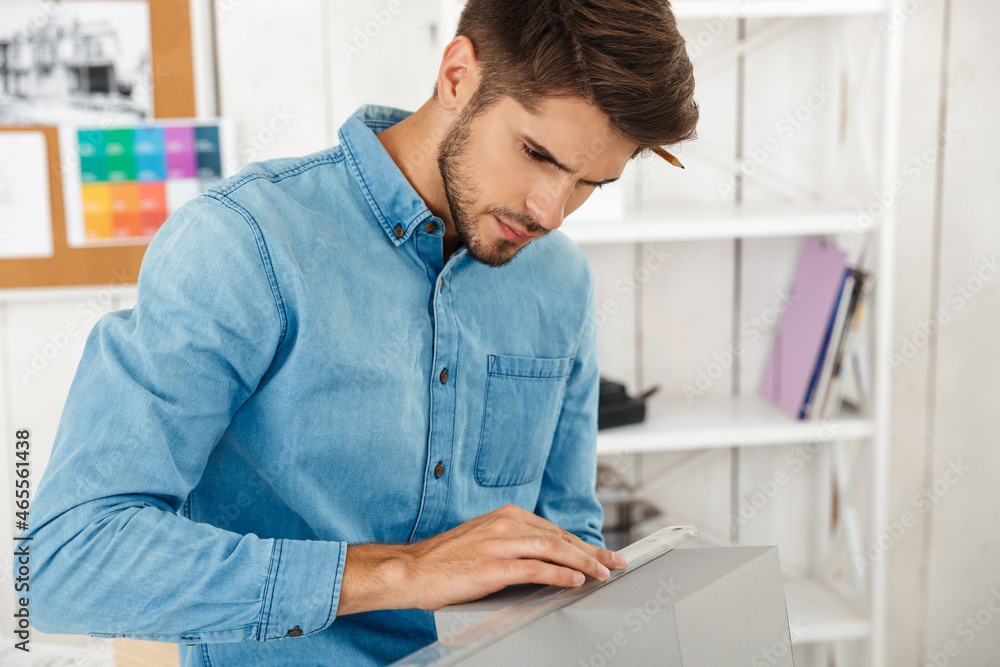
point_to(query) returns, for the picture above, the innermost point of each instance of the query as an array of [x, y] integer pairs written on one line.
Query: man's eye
[[531, 155]]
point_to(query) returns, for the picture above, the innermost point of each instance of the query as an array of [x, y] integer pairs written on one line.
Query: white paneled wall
[[272, 77], [289, 73], [963, 580], [42, 336], [383, 52]]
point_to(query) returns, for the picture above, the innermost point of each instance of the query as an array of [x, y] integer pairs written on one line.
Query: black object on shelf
[[617, 408]]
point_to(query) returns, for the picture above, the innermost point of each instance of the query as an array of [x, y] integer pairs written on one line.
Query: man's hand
[[507, 546]]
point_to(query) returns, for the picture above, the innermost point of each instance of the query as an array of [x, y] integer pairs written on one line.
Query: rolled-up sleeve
[[567, 497], [158, 385]]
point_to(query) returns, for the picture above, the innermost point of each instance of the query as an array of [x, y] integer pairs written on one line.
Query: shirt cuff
[[303, 588]]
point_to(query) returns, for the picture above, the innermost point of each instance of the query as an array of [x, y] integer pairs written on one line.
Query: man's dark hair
[[624, 56]]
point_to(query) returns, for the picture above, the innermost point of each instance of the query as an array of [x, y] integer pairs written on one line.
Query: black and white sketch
[[84, 62]]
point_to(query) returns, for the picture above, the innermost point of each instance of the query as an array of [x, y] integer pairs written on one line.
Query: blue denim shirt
[[279, 392]]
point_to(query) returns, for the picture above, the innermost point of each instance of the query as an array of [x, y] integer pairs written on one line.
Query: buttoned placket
[[443, 378]]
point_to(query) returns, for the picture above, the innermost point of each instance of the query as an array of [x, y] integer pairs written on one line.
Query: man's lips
[[512, 233]]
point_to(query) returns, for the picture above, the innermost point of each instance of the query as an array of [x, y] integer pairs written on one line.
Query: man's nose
[[547, 204]]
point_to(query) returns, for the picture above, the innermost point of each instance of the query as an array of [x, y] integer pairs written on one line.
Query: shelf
[[727, 9], [716, 223], [722, 422], [817, 614]]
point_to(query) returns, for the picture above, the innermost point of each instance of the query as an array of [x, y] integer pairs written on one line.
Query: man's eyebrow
[[546, 156]]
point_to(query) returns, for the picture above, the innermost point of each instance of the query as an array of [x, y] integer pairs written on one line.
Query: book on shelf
[[799, 342], [823, 370], [850, 375], [815, 349]]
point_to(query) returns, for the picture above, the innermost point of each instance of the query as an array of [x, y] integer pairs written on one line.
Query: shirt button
[[441, 285], [399, 231], [438, 470], [431, 227], [444, 376], [295, 632]]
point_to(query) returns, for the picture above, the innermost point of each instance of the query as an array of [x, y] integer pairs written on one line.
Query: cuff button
[[295, 632]]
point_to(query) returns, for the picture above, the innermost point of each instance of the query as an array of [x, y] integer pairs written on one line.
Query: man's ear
[[458, 76]]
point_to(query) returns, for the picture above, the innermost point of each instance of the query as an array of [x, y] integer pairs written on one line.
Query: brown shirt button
[[399, 231], [438, 470], [431, 227], [295, 632], [444, 376]]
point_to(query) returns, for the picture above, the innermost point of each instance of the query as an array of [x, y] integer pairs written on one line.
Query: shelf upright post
[[893, 35]]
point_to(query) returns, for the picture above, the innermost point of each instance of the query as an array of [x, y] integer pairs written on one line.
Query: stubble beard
[[461, 196]]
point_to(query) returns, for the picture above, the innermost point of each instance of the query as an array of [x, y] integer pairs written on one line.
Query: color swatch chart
[[132, 179]]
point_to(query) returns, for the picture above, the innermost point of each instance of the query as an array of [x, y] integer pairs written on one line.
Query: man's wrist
[[377, 576]]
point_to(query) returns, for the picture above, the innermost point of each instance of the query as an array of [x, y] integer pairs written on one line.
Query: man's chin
[[496, 255]]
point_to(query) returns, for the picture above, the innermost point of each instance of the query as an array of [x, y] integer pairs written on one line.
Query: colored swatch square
[[180, 191], [97, 210], [125, 218], [181, 159], [93, 164], [206, 144], [152, 207], [150, 154], [118, 151]]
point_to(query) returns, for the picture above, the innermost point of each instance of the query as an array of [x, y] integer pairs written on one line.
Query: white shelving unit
[[744, 421], [819, 611], [714, 224]]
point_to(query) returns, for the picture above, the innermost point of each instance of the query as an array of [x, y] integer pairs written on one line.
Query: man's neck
[[413, 145]]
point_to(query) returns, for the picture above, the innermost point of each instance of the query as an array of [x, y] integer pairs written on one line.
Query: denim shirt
[[303, 371]]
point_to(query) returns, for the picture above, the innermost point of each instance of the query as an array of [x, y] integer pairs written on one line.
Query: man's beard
[[461, 196]]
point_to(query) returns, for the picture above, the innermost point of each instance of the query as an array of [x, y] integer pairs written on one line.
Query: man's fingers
[[548, 574], [553, 549], [608, 558]]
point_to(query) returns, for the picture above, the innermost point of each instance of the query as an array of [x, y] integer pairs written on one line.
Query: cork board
[[173, 97]]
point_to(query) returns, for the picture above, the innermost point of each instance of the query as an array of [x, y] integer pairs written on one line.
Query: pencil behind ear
[[669, 157]]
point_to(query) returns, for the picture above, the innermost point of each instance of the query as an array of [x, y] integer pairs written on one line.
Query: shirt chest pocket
[[523, 400]]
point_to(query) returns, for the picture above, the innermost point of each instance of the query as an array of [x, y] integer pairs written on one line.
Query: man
[[362, 385]]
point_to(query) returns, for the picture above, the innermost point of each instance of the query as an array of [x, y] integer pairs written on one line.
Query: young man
[[362, 385]]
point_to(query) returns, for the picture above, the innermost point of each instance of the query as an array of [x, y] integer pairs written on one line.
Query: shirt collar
[[392, 199]]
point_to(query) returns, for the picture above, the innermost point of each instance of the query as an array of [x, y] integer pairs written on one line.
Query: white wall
[[288, 76]]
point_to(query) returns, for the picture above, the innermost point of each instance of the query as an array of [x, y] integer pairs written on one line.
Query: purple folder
[[803, 328]]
